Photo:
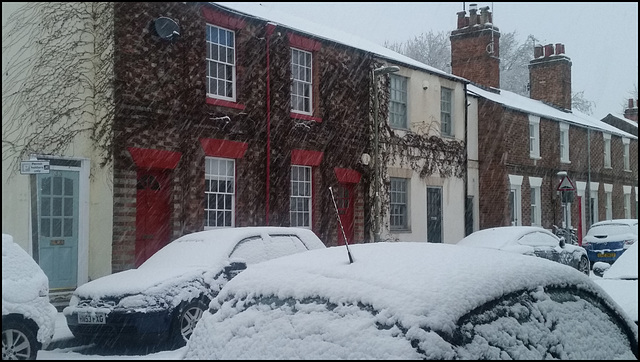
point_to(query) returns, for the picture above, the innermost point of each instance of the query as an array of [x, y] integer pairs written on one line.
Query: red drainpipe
[[269, 30]]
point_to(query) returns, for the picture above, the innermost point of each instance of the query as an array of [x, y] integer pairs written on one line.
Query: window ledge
[[223, 103], [400, 231], [305, 117], [535, 157], [565, 161]]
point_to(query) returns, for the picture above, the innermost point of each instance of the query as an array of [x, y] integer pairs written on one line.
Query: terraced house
[[210, 115], [524, 142]]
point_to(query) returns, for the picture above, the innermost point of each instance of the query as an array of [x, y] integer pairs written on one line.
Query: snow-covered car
[[408, 300], [620, 280], [530, 240], [607, 240], [28, 317], [162, 300]]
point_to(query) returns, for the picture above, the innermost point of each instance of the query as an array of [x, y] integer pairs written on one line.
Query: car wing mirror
[[600, 267], [562, 241], [233, 269]]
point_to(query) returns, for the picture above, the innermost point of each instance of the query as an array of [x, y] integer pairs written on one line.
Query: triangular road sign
[[566, 184]]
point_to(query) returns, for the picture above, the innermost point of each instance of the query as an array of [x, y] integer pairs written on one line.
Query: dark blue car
[[607, 240]]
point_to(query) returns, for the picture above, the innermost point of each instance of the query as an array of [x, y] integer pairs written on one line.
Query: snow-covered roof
[[624, 119], [525, 104], [259, 11]]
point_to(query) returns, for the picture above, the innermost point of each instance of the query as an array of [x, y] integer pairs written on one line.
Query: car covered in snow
[[608, 239], [530, 240], [163, 299], [28, 317], [410, 300], [620, 280]]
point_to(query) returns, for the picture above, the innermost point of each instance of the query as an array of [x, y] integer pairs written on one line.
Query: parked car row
[[408, 300], [279, 293]]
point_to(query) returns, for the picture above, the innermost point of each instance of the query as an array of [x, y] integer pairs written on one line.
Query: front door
[[153, 230], [434, 214], [57, 223], [344, 201]]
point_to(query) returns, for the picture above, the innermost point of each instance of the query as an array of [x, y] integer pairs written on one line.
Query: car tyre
[[186, 320], [585, 265], [18, 341]]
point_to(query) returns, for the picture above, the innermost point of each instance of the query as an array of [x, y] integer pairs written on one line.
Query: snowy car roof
[[185, 258], [499, 237], [423, 283]]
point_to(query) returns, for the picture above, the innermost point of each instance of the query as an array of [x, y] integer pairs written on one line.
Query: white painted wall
[[424, 118], [96, 202]]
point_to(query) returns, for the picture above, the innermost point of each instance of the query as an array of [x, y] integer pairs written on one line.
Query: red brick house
[[525, 142], [232, 121]]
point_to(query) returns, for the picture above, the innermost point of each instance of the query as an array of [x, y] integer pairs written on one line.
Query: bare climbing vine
[[57, 82]]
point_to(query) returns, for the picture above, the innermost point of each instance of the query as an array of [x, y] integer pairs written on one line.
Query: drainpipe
[[588, 191], [269, 31], [465, 191]]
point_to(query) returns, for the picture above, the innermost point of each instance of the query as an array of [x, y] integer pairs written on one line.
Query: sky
[[600, 38]]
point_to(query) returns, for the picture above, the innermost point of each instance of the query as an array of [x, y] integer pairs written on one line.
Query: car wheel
[[585, 265], [18, 341], [186, 321]]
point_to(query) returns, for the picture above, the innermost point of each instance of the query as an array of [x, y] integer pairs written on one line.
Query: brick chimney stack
[[475, 50], [550, 75], [631, 112]]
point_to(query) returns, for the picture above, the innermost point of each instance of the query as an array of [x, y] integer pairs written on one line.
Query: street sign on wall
[[34, 167]]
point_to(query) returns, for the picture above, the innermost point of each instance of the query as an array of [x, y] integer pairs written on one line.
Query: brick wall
[[161, 104]]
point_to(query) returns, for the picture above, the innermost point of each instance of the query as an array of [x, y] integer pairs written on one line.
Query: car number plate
[[606, 255], [92, 318]]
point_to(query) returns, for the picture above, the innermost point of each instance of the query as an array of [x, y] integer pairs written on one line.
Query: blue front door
[[57, 217]]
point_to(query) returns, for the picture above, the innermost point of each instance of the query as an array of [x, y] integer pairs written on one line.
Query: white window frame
[[625, 157], [222, 48], [515, 189], [301, 81], [446, 111], [534, 137], [398, 101], [300, 199], [593, 202], [607, 150], [398, 203], [217, 202], [627, 201], [608, 206], [564, 142], [536, 200]]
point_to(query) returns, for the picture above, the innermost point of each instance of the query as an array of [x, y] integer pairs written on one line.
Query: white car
[[530, 240], [620, 280], [28, 317], [409, 300], [163, 299]]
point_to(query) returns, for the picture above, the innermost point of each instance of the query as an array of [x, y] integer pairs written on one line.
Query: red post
[[579, 220]]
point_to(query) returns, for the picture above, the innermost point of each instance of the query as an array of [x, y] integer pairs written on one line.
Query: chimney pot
[[548, 50], [537, 51], [630, 102], [473, 16], [559, 48], [461, 19]]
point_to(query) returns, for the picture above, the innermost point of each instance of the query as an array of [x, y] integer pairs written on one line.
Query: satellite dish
[[166, 28]]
